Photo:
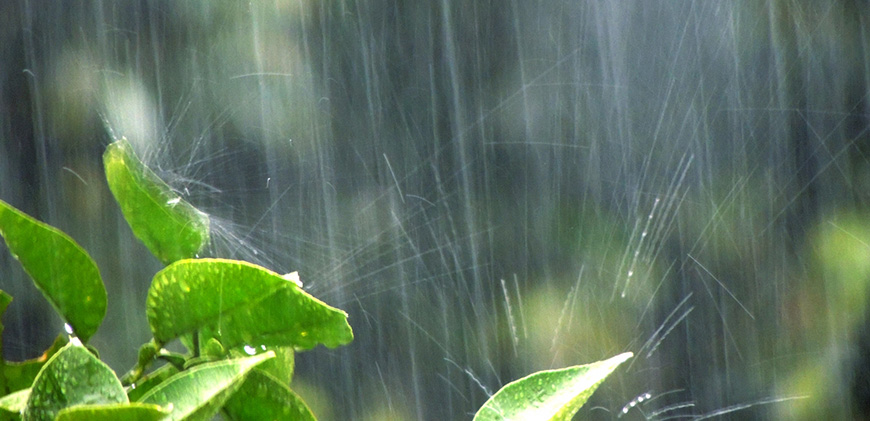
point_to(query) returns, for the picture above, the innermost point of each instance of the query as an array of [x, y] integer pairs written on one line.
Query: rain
[[487, 188]]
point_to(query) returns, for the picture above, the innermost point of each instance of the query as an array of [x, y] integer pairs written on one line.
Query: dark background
[[488, 188]]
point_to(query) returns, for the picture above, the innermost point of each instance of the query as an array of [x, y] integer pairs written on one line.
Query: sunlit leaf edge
[[15, 402], [172, 297], [82, 301], [183, 229], [524, 397], [130, 411]]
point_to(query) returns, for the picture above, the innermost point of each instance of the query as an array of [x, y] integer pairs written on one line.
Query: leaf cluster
[[241, 323]]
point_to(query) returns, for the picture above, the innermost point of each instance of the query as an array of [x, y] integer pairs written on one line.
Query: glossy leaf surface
[[16, 401], [281, 367], [64, 273], [199, 393], [263, 397], [133, 411], [150, 381], [168, 225], [72, 377], [239, 303], [549, 395]]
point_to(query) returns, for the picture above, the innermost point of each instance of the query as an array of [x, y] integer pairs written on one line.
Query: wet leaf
[[133, 411], [240, 303], [281, 367], [549, 395], [263, 397], [64, 273], [5, 299], [168, 225], [15, 402], [72, 377], [199, 393], [150, 381], [20, 375]]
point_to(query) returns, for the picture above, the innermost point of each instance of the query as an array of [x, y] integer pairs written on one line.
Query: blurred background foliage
[[489, 188]]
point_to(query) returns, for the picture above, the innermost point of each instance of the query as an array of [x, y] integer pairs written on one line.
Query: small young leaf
[[60, 268], [169, 226], [133, 411], [239, 303], [553, 395], [72, 377], [263, 397], [199, 393]]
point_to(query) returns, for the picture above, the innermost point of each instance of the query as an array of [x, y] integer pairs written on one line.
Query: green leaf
[[15, 402], [168, 225], [5, 299], [21, 375], [60, 268], [72, 377], [549, 395], [263, 397], [150, 381], [133, 411], [239, 303], [281, 367], [199, 393]]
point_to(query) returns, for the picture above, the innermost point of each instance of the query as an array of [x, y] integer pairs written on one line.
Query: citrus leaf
[[554, 395], [239, 303], [263, 397], [168, 225], [132, 411], [281, 367], [20, 375], [64, 273], [15, 402], [5, 299], [150, 381], [199, 393], [71, 377]]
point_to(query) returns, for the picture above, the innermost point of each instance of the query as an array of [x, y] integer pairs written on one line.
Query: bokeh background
[[488, 188]]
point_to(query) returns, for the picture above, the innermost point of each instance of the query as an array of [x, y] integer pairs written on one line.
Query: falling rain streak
[[487, 188]]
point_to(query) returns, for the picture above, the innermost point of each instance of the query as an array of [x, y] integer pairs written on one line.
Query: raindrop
[[68, 328], [174, 201], [250, 350], [293, 277]]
